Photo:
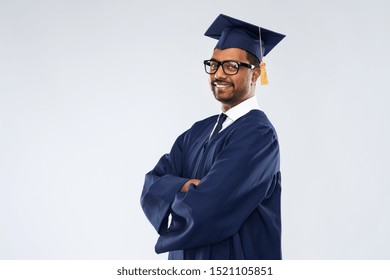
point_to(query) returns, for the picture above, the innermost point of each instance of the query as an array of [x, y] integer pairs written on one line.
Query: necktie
[[218, 128]]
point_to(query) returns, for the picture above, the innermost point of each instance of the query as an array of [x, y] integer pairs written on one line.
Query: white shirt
[[238, 111]]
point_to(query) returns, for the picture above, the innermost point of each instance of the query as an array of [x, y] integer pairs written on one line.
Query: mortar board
[[235, 33]]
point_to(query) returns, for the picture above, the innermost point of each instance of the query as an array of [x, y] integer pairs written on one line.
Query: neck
[[227, 106]]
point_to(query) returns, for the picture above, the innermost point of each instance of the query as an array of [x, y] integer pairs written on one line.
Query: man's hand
[[185, 187]]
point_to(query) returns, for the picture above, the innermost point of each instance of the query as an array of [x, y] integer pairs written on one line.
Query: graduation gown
[[234, 212]]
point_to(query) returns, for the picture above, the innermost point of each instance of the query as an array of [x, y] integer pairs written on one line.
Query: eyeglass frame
[[239, 63]]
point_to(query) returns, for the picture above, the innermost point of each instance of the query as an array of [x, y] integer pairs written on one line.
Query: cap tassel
[[263, 74]]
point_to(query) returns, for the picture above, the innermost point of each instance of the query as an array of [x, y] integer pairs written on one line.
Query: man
[[220, 185]]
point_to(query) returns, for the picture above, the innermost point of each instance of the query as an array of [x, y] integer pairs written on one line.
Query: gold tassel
[[263, 74]]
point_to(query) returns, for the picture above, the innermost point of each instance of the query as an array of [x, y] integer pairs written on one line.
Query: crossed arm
[[195, 211]]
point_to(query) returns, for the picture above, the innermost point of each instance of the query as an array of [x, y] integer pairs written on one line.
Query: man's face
[[231, 90]]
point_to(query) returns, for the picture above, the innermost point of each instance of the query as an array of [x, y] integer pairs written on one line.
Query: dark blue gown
[[234, 213]]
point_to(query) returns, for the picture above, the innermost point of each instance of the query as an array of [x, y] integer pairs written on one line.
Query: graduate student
[[216, 195]]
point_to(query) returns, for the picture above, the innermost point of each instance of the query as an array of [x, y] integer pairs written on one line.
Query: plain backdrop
[[93, 93]]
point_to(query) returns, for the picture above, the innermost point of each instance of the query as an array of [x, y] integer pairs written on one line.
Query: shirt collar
[[243, 108]]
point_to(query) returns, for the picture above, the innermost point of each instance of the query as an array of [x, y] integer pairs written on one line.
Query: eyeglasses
[[229, 67]]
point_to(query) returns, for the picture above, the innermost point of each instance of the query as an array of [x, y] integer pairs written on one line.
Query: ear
[[255, 74]]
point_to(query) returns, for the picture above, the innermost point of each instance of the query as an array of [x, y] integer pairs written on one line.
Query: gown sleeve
[[161, 186], [240, 178]]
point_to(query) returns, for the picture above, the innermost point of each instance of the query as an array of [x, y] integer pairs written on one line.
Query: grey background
[[92, 93]]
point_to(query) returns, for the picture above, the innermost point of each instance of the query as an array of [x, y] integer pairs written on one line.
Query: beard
[[227, 93]]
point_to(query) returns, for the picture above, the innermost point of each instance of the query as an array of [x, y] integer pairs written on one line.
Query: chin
[[223, 94], [224, 99]]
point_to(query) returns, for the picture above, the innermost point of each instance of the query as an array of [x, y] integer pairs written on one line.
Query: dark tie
[[218, 128]]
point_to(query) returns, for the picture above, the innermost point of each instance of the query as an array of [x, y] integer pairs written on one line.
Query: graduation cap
[[235, 33]]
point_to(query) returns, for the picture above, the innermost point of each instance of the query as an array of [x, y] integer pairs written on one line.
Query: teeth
[[221, 85]]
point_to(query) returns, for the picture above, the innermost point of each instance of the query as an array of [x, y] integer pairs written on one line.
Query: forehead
[[230, 54]]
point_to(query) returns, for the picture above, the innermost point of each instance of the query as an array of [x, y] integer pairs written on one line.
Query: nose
[[220, 74]]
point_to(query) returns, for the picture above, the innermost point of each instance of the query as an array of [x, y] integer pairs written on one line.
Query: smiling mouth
[[221, 85]]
